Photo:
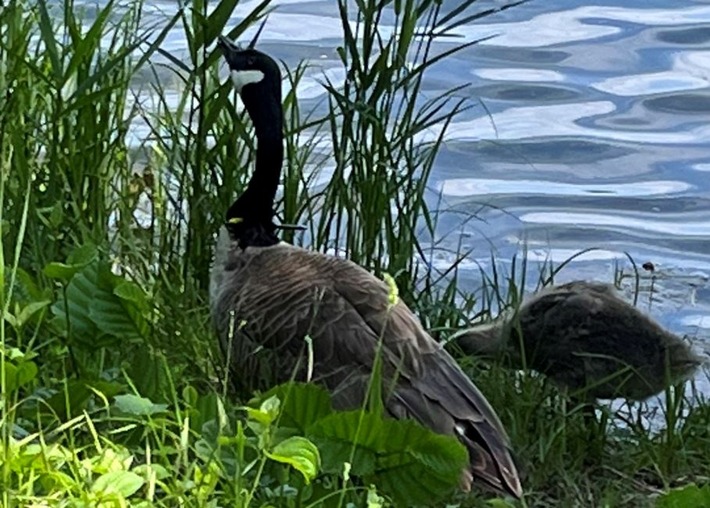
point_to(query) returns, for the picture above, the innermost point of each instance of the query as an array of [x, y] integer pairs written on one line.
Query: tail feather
[[477, 427], [491, 468]]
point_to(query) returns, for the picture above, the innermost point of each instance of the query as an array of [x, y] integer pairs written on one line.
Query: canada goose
[[588, 340], [267, 295]]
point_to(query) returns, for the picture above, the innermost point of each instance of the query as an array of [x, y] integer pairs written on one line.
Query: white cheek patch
[[243, 78]]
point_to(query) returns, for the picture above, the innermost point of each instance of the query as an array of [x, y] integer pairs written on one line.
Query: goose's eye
[[251, 61]]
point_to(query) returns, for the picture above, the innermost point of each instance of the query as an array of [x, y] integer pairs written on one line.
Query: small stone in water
[[648, 266]]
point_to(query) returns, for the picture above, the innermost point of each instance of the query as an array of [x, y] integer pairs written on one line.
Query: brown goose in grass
[[587, 339], [270, 300]]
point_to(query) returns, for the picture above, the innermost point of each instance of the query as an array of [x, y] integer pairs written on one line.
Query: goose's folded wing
[[432, 389]]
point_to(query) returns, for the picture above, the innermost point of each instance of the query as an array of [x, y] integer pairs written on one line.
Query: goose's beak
[[229, 47], [225, 44], [233, 54]]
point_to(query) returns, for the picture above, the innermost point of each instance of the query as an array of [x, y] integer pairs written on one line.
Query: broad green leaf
[[108, 389], [152, 470], [300, 453], [26, 289], [10, 378], [96, 316], [205, 409], [112, 315], [73, 308], [73, 398], [56, 215], [57, 481], [56, 270], [302, 404], [405, 460], [26, 372], [130, 291], [30, 310], [190, 395], [336, 436], [83, 255], [142, 504], [271, 407], [418, 463], [70, 401], [258, 416], [78, 259], [136, 405], [12, 320], [684, 497], [268, 411], [374, 500], [124, 483], [150, 375], [36, 456], [500, 503], [205, 479], [16, 354], [19, 374], [110, 460]]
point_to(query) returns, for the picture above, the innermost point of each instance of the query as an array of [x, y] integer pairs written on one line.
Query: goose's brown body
[[274, 297], [583, 336]]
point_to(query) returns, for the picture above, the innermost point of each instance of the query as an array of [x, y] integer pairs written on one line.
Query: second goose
[[587, 339]]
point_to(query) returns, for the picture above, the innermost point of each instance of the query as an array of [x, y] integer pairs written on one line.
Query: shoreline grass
[[110, 377]]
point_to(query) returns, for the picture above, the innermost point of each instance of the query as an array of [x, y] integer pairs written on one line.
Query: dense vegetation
[[112, 389]]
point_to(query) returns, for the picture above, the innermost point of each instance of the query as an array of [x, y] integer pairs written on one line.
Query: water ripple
[[574, 25], [474, 187], [656, 82], [685, 225], [561, 120]]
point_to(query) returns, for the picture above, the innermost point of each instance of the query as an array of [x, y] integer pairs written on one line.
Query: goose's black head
[[256, 77]]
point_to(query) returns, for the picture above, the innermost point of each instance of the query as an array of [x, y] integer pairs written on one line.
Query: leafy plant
[[404, 460], [98, 308], [689, 495], [19, 370]]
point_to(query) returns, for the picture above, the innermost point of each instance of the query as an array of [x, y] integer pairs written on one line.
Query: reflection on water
[[691, 36], [595, 133]]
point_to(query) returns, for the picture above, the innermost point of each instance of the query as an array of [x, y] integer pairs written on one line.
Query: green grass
[[112, 389]]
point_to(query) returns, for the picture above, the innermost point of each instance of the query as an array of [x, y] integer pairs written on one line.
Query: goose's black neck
[[250, 218]]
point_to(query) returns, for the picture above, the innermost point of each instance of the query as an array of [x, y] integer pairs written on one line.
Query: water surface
[[598, 136]]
